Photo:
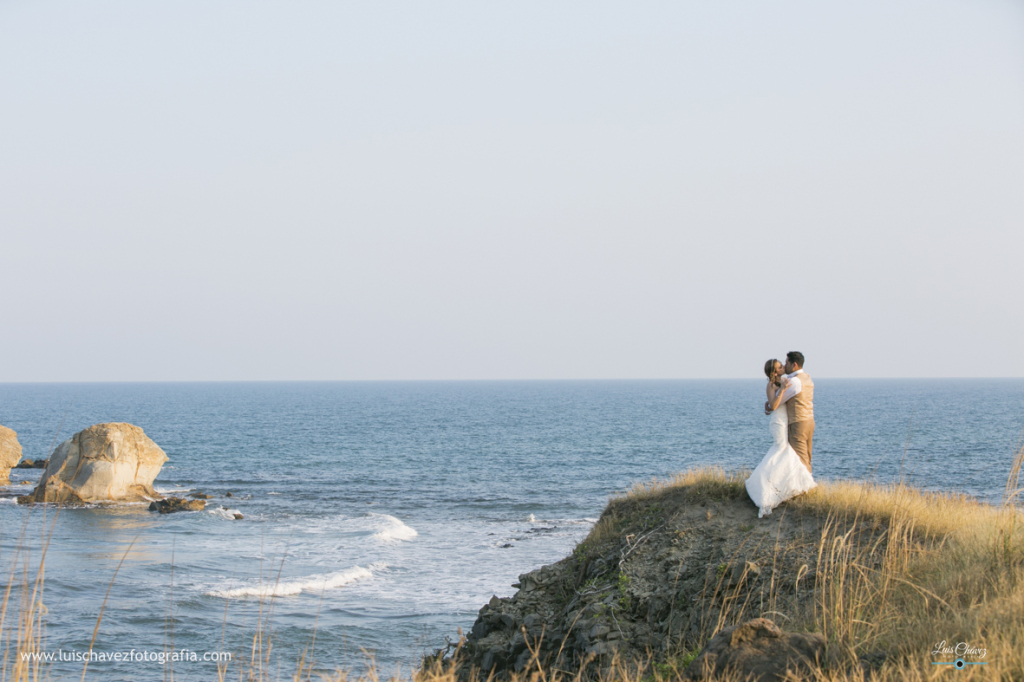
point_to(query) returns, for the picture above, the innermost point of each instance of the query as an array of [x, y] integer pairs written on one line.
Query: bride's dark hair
[[769, 370]]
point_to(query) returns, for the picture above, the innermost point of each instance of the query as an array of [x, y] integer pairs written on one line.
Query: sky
[[224, 191]]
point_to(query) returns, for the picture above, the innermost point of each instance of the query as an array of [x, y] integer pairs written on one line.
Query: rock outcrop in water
[[176, 504], [10, 453], [114, 462]]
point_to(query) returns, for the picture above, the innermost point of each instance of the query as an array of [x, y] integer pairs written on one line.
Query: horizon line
[[452, 381]]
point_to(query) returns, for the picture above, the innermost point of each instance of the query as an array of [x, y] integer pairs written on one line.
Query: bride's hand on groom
[[767, 407]]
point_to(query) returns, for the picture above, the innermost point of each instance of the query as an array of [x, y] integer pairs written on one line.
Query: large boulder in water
[[103, 463], [10, 453]]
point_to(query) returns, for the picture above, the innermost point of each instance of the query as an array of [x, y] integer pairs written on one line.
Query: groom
[[799, 398]]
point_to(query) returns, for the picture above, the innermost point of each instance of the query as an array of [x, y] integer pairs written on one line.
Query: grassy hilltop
[[883, 572]]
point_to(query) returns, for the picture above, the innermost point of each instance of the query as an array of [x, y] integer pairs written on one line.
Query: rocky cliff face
[[660, 573], [10, 453], [104, 463]]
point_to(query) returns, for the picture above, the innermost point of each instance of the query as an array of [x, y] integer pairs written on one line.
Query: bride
[[780, 475]]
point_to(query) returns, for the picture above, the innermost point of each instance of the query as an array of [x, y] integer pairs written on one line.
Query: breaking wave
[[393, 529], [313, 583], [224, 513]]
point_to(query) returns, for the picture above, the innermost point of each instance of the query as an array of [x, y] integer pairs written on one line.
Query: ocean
[[380, 516]]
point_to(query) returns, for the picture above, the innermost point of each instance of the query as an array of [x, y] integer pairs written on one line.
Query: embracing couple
[[785, 471]]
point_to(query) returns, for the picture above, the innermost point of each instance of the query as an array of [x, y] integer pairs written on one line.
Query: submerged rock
[[113, 462], [176, 504], [10, 453], [235, 514]]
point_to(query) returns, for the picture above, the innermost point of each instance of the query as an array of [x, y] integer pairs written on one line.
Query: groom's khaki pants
[[801, 437]]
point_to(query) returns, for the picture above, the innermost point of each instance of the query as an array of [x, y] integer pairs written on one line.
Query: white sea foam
[[223, 513], [393, 529], [9, 500], [313, 583], [561, 522], [173, 489]]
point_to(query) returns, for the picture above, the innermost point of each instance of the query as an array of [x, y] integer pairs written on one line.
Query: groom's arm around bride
[[798, 397]]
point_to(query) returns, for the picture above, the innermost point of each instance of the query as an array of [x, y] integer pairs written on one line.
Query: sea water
[[379, 516]]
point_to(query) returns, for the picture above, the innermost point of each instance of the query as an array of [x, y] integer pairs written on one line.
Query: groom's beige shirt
[[799, 397]]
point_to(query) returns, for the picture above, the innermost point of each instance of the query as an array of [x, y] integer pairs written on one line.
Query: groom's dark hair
[[796, 357]]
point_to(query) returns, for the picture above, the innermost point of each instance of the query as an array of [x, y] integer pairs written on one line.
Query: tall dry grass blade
[[1012, 489], [30, 622], [103, 606], [906, 445], [312, 645], [169, 618], [7, 595]]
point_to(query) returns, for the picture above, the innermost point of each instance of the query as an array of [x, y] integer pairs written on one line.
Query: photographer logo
[[962, 654]]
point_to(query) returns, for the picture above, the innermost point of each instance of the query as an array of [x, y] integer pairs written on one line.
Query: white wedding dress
[[780, 475]]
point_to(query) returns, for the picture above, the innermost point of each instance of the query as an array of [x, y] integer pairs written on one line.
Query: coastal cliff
[[858, 579]]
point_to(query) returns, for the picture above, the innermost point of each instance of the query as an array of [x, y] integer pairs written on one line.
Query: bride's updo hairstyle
[[769, 370]]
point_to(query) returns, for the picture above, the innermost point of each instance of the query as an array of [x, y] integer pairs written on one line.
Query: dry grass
[[24, 631], [948, 568], [708, 481], [23, 619], [899, 570]]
